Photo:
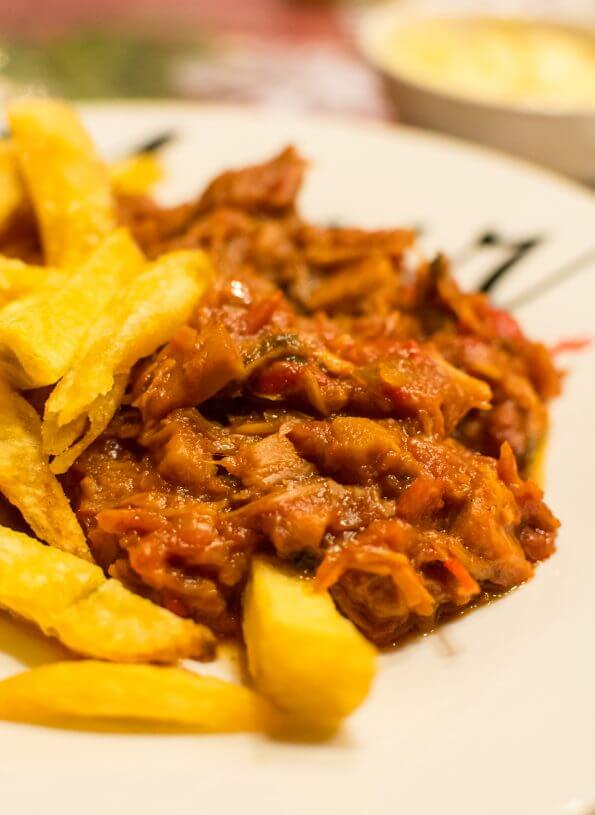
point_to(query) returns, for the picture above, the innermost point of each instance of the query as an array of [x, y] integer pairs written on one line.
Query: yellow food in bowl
[[534, 63]]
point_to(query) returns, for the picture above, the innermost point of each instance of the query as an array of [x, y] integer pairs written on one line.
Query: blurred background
[[293, 53], [300, 54]]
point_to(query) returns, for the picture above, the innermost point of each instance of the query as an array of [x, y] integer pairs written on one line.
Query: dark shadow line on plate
[[154, 144], [569, 270], [518, 252]]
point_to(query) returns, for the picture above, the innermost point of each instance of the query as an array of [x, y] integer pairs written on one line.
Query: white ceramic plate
[[495, 713]]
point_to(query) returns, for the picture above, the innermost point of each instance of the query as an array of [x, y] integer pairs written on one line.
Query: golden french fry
[[303, 655], [18, 278], [26, 479], [80, 690], [92, 615], [38, 581], [66, 180], [41, 333], [13, 196], [115, 624], [141, 318], [64, 442], [135, 175]]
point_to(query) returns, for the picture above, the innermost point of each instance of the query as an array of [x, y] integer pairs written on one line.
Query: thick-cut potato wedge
[[26, 479], [41, 333], [13, 196], [302, 654], [75, 691], [136, 175], [66, 180], [89, 613], [112, 621], [37, 581], [18, 278], [140, 319]]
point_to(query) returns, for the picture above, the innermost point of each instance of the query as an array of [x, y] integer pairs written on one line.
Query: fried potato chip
[[142, 693], [66, 180], [142, 317], [87, 428], [12, 189], [92, 615], [115, 624], [302, 653], [18, 279], [38, 581], [26, 479], [41, 333], [135, 175]]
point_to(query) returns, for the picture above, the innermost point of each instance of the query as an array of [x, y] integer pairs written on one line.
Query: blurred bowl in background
[[454, 71]]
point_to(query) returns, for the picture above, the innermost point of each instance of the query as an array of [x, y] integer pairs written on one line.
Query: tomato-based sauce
[[335, 399]]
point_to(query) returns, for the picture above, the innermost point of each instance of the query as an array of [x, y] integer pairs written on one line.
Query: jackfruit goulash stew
[[334, 399]]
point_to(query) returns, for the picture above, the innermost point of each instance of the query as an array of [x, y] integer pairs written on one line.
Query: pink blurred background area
[[289, 19], [283, 53]]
